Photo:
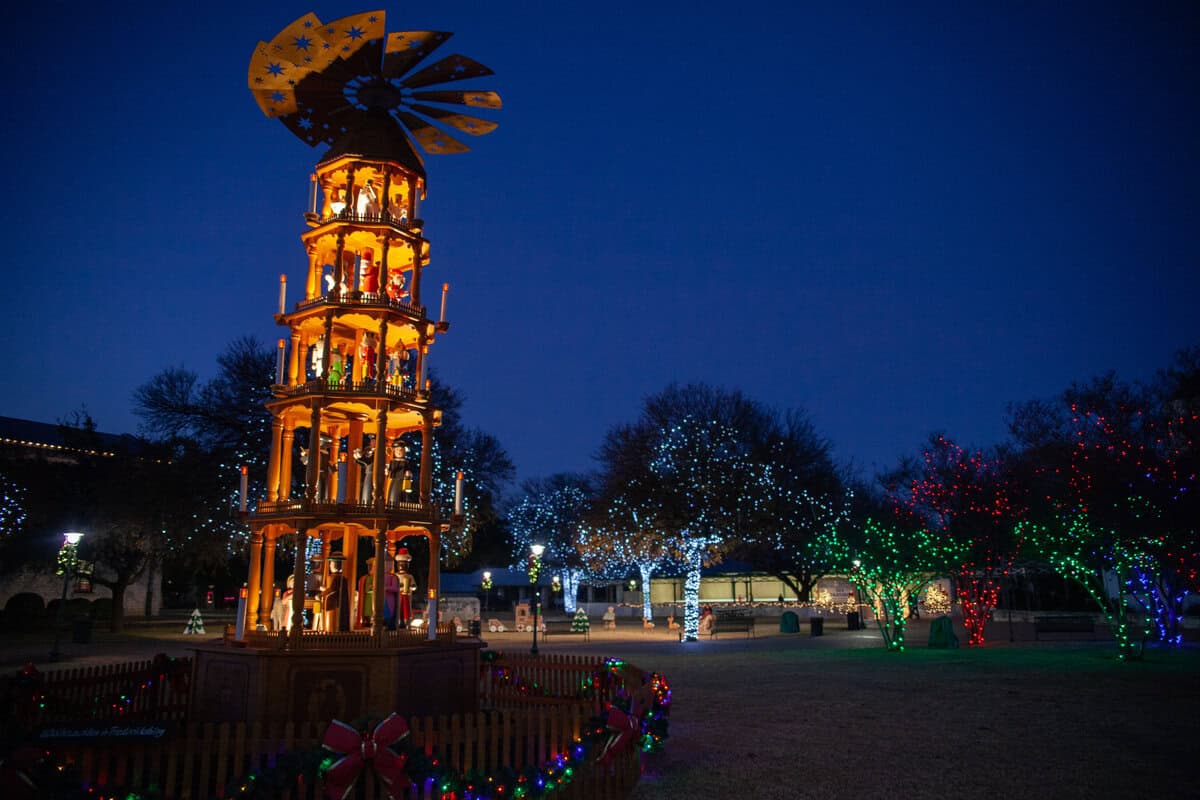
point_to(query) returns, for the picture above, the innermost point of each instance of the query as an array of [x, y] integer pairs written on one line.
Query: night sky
[[899, 217]]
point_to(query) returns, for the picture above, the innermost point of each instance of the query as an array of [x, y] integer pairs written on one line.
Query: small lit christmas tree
[[195, 625], [579, 623]]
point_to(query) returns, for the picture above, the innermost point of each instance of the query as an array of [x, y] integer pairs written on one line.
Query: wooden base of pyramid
[[233, 684]]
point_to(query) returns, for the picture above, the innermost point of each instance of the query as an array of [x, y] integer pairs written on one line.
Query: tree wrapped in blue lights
[[797, 498], [12, 509], [703, 480], [551, 513], [622, 535]]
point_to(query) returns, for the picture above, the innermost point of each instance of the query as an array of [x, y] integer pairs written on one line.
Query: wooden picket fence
[[213, 760], [135, 691], [543, 680], [535, 709], [347, 640]]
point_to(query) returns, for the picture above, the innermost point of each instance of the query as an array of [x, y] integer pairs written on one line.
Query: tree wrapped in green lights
[[1085, 552], [964, 497], [550, 513], [891, 563]]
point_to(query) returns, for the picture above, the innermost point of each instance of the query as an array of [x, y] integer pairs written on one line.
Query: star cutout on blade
[[361, 81]]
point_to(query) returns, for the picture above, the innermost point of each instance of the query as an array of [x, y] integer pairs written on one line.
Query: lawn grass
[[1052, 721]]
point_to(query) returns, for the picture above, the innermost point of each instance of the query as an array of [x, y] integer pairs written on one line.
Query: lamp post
[[487, 590], [67, 558], [535, 567]]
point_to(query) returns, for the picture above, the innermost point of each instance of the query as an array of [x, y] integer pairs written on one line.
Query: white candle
[[279, 359], [458, 494], [282, 293], [242, 504], [445, 289]]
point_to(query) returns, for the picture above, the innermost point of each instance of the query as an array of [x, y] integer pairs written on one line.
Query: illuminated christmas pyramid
[[353, 420]]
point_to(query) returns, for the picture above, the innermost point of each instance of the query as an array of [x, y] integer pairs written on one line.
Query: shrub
[[102, 608], [25, 611]]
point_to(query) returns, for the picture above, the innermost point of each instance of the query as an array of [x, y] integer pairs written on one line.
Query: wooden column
[[298, 592], [314, 455], [326, 551], [327, 348], [276, 459], [352, 466], [267, 590], [313, 286], [414, 288], [255, 578], [286, 450], [377, 578], [379, 466], [426, 478], [434, 590], [298, 346], [350, 570]]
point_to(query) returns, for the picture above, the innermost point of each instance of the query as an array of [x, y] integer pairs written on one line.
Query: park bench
[[561, 626], [733, 623], [1063, 623]]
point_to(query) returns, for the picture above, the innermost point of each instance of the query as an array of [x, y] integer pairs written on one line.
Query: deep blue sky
[[899, 217]]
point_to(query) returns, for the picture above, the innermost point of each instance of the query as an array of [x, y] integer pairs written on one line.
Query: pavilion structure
[[352, 451]]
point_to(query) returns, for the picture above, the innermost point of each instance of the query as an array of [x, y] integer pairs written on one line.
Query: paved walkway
[[143, 639]]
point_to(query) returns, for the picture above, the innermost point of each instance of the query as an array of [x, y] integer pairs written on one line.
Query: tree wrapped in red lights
[[964, 497]]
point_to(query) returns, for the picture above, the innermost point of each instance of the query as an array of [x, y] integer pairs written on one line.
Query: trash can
[[473, 628], [817, 624], [81, 631], [789, 622], [853, 621]]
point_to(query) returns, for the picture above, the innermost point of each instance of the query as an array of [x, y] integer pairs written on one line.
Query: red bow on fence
[[626, 729], [359, 749]]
